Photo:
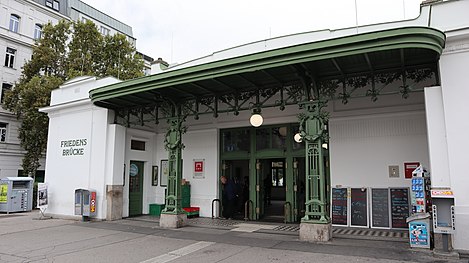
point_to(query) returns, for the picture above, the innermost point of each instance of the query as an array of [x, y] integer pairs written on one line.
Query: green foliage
[[66, 50]]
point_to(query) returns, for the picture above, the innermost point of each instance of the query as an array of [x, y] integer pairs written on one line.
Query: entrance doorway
[[136, 188], [274, 181], [237, 172], [271, 165]]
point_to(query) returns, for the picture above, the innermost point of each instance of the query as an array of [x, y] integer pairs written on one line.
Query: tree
[[66, 50]]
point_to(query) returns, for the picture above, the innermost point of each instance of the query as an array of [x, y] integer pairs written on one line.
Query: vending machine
[[419, 220]]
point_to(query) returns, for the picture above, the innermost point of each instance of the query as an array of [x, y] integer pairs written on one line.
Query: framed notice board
[[359, 207], [380, 208], [399, 207], [339, 206]]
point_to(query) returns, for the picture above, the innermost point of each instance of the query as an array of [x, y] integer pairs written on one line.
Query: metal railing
[[219, 205], [248, 204], [287, 213]]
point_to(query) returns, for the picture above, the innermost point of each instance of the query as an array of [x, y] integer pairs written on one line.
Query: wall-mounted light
[[324, 145], [256, 119], [298, 138], [258, 165]]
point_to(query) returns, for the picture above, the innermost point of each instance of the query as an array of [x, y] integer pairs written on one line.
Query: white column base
[[172, 221], [315, 232]]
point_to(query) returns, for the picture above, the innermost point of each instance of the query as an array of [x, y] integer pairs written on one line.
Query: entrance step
[[290, 229]]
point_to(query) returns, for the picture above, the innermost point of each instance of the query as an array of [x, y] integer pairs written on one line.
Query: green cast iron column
[[174, 146], [313, 134]]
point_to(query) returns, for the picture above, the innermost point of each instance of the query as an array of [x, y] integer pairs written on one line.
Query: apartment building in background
[[21, 23]]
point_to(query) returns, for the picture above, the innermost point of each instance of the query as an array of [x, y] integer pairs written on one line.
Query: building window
[[37, 31], [14, 23], [3, 132], [104, 31], [56, 5], [10, 57], [5, 88], [137, 145]]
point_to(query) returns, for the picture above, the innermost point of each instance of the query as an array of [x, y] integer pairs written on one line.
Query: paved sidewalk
[[26, 239]]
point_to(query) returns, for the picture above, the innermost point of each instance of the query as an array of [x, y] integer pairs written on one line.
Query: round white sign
[[133, 169]]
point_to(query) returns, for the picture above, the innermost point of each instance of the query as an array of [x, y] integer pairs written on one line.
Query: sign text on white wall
[[73, 147]]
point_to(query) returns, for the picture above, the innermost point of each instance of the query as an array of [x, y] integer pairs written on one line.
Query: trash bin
[[419, 230], [16, 194]]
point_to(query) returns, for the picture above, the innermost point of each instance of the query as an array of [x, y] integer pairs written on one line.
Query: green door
[[135, 188]]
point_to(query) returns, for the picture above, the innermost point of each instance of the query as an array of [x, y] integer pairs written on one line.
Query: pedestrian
[[228, 197]]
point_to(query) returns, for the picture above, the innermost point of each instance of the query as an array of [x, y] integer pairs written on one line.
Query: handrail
[[247, 210], [286, 213], [213, 201]]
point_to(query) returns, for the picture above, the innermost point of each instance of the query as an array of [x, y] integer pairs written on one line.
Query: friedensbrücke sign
[[73, 147]]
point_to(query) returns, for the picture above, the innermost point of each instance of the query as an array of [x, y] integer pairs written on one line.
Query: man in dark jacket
[[228, 197]]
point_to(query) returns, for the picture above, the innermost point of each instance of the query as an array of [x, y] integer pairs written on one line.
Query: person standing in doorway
[[228, 197]]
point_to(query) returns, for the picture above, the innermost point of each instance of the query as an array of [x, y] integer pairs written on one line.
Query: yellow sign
[[3, 193], [442, 193]]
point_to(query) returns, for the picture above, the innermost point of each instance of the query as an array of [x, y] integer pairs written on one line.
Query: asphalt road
[[24, 238]]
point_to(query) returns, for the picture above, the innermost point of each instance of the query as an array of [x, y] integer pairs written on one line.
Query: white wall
[[438, 147], [362, 148], [64, 174], [455, 91], [72, 116], [202, 144]]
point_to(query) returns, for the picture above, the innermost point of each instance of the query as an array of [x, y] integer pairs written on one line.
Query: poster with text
[[199, 169], [3, 193], [42, 199]]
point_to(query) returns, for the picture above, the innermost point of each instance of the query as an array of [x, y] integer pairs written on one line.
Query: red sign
[[93, 202], [409, 168], [199, 166]]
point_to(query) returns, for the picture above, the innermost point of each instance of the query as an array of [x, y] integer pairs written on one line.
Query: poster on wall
[[199, 169], [164, 172], [409, 168], [3, 193], [418, 234], [42, 199]]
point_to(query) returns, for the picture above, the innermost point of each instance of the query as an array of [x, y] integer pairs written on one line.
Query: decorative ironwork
[[345, 88], [313, 133], [173, 144]]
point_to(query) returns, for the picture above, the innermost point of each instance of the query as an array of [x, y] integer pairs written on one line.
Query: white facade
[[365, 138], [79, 120]]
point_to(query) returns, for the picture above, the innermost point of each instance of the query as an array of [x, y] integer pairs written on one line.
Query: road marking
[[249, 228], [170, 256]]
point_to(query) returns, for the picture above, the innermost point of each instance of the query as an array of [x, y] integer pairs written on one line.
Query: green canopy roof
[[378, 52]]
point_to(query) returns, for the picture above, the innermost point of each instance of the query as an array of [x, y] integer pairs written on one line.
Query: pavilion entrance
[[267, 168]]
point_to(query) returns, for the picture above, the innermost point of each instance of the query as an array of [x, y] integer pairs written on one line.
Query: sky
[[182, 30]]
